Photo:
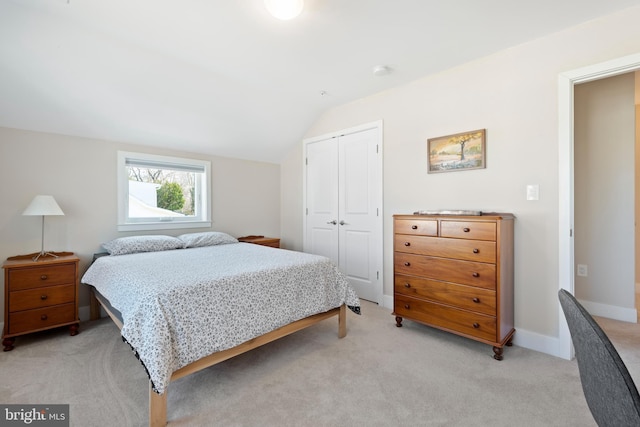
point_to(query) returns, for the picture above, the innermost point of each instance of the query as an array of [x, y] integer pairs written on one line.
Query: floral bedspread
[[180, 305]]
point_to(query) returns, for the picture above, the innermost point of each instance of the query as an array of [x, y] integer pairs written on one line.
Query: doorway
[[566, 82]]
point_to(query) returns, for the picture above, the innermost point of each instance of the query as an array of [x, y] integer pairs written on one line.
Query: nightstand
[[261, 240], [39, 295]]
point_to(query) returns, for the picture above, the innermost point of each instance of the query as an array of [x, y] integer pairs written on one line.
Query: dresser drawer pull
[[43, 297], [407, 264], [407, 285], [43, 277], [407, 306], [476, 300], [466, 229], [475, 325], [414, 227], [407, 244], [476, 250], [476, 274], [43, 317]]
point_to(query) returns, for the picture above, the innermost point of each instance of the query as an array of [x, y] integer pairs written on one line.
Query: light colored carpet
[[379, 375]]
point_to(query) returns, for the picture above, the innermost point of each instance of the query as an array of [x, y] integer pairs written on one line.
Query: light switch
[[533, 192]]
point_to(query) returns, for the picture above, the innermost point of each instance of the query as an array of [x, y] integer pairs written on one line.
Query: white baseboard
[[611, 311]]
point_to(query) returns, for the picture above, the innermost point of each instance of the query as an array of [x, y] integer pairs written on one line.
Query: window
[[159, 192]]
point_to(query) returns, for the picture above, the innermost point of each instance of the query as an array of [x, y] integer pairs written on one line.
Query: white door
[[344, 206], [321, 234]]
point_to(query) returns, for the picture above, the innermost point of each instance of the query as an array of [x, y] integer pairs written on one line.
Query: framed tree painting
[[462, 151]]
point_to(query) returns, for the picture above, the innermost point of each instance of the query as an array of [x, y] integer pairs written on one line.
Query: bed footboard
[[158, 402]]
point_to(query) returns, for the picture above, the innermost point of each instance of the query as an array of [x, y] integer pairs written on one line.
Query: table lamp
[[44, 206]]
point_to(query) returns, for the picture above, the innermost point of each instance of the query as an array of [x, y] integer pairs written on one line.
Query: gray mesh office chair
[[608, 388]]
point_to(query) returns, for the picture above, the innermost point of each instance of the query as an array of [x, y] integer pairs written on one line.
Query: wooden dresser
[[39, 295], [261, 240], [455, 273]]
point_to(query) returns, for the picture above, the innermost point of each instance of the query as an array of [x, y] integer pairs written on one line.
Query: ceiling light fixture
[[284, 9]]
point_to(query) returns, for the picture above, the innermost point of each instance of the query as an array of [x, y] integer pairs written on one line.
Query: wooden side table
[[39, 295], [261, 240]]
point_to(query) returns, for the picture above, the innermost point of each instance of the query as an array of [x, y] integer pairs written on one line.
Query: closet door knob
[[343, 223], [334, 222]]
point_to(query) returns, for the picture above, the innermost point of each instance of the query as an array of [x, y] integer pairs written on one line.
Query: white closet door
[[322, 199], [358, 211], [343, 211]]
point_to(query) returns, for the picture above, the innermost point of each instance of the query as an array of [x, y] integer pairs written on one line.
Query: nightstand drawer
[[41, 318], [41, 297], [35, 277]]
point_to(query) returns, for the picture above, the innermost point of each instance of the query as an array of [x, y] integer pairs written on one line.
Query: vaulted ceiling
[[225, 77]]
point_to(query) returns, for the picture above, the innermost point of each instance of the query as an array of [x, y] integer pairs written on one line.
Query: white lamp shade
[[43, 205], [284, 9]]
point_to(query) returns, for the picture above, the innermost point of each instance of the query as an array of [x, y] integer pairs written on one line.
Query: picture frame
[[458, 152]]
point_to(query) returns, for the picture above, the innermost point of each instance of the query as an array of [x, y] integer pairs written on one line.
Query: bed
[[188, 302]]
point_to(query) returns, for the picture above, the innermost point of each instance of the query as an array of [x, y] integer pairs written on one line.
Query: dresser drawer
[[461, 296], [41, 297], [453, 319], [469, 250], [464, 272], [35, 277], [468, 230], [416, 226], [41, 318]]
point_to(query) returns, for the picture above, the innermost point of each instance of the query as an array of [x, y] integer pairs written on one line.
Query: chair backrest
[[608, 388]]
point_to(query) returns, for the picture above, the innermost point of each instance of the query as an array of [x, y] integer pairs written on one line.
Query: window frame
[[203, 194]]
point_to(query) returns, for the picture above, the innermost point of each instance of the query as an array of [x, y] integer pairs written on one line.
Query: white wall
[[81, 174], [604, 191], [514, 95]]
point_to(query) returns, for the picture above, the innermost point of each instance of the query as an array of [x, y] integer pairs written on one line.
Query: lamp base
[[44, 254]]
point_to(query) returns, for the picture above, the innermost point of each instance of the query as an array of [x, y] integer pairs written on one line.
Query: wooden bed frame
[[158, 402]]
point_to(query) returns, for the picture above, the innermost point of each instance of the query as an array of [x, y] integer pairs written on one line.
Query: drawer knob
[[414, 227], [407, 264], [476, 250], [407, 243], [43, 297], [476, 274], [475, 325], [43, 317], [43, 277], [466, 229], [476, 300], [407, 285], [407, 306]]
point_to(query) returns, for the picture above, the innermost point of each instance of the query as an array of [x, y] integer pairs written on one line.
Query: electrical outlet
[[533, 192], [582, 270]]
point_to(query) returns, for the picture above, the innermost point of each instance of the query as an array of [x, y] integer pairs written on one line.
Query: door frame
[[566, 83], [377, 125]]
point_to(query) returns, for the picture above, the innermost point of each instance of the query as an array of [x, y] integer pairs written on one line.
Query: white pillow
[[207, 238], [135, 244]]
